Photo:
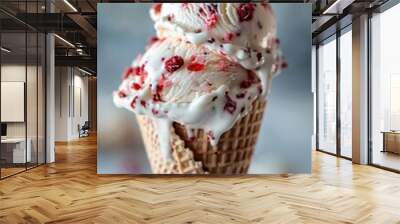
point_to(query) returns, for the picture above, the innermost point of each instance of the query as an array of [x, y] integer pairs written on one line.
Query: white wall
[[71, 94], [17, 73], [33, 126]]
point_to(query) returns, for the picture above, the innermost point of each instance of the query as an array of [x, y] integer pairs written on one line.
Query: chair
[[84, 130]]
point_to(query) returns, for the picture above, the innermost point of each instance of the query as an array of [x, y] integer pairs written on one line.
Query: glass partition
[[346, 93], [327, 96], [22, 89], [14, 153], [385, 89], [32, 96]]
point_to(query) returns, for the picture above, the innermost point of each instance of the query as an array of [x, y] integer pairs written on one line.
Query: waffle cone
[[195, 155]]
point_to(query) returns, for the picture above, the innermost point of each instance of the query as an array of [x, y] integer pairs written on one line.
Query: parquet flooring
[[70, 191]]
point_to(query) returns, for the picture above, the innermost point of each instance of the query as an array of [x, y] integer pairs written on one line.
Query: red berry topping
[[230, 105], [223, 65], [127, 72], [229, 36], [157, 95], [157, 8], [136, 86], [157, 98], [245, 12], [212, 20], [195, 67], [133, 103], [152, 40], [245, 84], [154, 111], [251, 79], [138, 71], [173, 63], [121, 94], [143, 103]]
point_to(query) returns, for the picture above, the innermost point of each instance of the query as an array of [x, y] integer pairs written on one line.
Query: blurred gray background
[[284, 144]]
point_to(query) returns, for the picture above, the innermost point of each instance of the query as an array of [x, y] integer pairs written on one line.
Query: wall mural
[[200, 96]]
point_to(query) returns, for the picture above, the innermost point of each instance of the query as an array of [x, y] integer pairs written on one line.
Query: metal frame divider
[[44, 70]]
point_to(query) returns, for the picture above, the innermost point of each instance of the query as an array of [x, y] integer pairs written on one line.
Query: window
[[346, 93], [327, 96], [385, 89]]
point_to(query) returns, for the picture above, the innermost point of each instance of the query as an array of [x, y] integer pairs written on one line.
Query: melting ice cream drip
[[201, 79]]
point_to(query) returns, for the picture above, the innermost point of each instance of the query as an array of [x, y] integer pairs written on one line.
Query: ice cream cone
[[193, 154]]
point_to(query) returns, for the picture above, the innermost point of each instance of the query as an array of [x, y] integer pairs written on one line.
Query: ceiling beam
[[82, 61]]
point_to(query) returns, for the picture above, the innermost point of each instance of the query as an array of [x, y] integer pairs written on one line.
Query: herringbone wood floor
[[70, 191]]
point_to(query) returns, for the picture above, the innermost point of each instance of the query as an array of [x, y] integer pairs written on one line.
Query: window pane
[[386, 89], [41, 98], [31, 97], [346, 93], [14, 153], [327, 96]]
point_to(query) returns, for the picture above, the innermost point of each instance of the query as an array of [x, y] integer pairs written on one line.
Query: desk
[[18, 149], [391, 141]]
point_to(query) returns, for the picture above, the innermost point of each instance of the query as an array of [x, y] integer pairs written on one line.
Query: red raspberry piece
[[153, 40], [121, 94], [157, 98], [173, 63], [128, 72], [136, 86], [245, 84], [157, 8], [211, 20], [228, 37], [245, 12], [195, 67], [138, 71], [252, 77], [133, 103], [157, 95], [143, 103]]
